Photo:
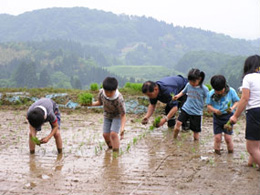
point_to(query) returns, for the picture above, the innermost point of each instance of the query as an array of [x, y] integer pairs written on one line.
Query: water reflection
[[43, 168], [113, 171]]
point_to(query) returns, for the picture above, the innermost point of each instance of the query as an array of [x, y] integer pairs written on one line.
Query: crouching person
[[44, 110]]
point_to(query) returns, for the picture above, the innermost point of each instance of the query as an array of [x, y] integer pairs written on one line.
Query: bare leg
[[31, 143], [58, 140], [196, 136], [176, 129], [107, 139], [230, 146], [253, 148], [114, 140], [217, 142]]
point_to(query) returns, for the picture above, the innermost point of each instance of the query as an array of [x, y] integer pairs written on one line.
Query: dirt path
[[150, 162]]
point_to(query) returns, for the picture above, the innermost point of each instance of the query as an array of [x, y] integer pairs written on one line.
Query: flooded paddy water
[[149, 161]]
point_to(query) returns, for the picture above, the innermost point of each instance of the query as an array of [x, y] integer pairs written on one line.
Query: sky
[[236, 18]]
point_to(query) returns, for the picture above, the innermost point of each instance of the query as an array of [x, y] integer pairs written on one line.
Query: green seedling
[[151, 128], [128, 147], [134, 140], [85, 99], [36, 140], [172, 94], [157, 120], [228, 126], [229, 109], [115, 154]]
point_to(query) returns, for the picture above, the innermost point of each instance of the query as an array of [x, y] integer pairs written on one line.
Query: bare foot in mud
[[218, 152], [175, 133]]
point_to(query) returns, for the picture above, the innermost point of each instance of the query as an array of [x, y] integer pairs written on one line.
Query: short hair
[[148, 86], [218, 82], [195, 74], [110, 84], [36, 117], [251, 64]]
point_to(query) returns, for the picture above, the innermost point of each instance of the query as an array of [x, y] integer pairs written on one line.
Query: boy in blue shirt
[[222, 101]]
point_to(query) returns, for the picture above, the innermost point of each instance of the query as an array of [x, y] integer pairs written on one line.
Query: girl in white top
[[250, 100]]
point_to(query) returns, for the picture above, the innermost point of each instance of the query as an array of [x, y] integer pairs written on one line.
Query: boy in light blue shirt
[[222, 101]]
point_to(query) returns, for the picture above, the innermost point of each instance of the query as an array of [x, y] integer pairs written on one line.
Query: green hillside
[[142, 73]]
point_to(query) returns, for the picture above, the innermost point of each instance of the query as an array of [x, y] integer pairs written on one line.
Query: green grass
[[142, 73]]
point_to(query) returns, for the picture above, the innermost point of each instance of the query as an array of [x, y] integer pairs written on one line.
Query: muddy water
[[149, 162]]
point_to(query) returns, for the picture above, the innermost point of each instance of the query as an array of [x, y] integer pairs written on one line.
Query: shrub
[[85, 99], [94, 87]]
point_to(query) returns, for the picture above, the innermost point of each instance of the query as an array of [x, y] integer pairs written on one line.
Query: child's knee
[[218, 138], [106, 135], [57, 135], [228, 139], [113, 135]]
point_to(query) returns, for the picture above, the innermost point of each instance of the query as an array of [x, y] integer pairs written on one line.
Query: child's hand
[[174, 98], [122, 133], [218, 112], [44, 140], [145, 121], [229, 110]]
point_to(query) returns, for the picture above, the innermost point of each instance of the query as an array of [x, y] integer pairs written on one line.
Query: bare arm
[[214, 110], [169, 115], [234, 106], [178, 96], [241, 105], [55, 127], [123, 120], [96, 103], [149, 113]]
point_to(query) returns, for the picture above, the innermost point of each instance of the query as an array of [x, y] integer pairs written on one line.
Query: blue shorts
[[253, 124], [111, 125], [219, 122], [195, 120]]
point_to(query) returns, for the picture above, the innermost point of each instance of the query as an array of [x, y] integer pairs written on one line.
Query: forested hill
[[73, 47], [137, 40]]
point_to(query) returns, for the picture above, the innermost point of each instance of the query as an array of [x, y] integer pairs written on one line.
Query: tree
[[44, 80], [75, 82], [25, 75]]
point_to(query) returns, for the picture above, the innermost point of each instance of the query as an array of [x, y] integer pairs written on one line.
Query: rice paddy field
[[150, 161]]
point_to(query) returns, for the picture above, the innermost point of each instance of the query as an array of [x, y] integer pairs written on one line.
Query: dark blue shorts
[[253, 124], [195, 120], [219, 122]]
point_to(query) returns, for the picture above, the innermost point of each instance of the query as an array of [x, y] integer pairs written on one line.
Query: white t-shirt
[[252, 82]]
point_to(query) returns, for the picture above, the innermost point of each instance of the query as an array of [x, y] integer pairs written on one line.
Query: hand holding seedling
[[44, 140], [145, 121], [229, 109], [228, 126], [174, 98], [158, 122], [233, 119], [36, 140]]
